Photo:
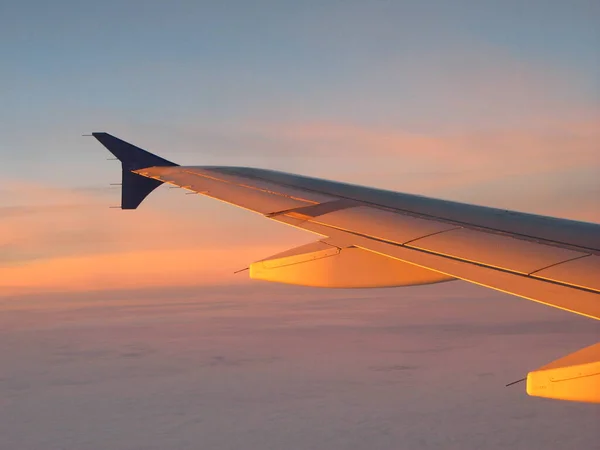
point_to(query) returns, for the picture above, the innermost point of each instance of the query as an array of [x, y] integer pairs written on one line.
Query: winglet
[[135, 187]]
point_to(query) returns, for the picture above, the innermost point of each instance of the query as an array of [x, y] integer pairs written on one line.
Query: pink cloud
[[130, 269], [545, 169], [572, 143]]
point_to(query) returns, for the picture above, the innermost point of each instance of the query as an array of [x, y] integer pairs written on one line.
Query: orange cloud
[[55, 239], [128, 270]]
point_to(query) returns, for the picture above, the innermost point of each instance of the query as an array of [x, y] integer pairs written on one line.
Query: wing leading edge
[[547, 260]]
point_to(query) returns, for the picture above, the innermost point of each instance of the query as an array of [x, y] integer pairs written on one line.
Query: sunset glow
[[141, 329]]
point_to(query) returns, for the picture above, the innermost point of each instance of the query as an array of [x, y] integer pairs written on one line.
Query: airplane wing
[[371, 238]]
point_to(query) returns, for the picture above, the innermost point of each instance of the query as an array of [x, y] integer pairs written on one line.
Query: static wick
[[241, 270], [515, 382]]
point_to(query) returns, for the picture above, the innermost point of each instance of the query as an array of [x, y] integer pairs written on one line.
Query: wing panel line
[[558, 264]]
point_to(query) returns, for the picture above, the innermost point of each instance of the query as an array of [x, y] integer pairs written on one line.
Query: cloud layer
[[269, 367]]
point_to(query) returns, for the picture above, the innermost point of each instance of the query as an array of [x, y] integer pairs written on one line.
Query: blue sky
[[408, 65]]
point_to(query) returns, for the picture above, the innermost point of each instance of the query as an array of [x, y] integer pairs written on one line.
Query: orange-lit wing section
[[323, 265], [575, 377]]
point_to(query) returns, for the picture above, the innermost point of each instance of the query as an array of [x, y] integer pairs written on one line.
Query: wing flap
[[495, 250]]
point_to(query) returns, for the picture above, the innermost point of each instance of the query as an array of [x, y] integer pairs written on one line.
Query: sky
[[486, 102]]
